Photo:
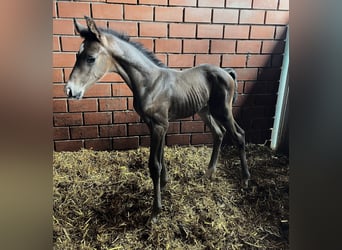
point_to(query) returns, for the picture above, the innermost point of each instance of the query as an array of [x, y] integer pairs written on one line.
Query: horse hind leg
[[218, 132], [225, 117], [239, 137]]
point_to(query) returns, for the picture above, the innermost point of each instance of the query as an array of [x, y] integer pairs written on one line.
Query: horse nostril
[[68, 92]]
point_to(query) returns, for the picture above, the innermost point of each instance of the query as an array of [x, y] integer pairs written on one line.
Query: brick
[[55, 43], [192, 126], [182, 30], [222, 46], [174, 128], [168, 45], [262, 32], [126, 143], [67, 72], [269, 74], [183, 2], [198, 15], [258, 111], [82, 105], [111, 77], [147, 43], [121, 89], [177, 140], [145, 141], [67, 119], [62, 27], [139, 12], [156, 2], [73, 145], [169, 14], [268, 99], [273, 47], [239, 3], [126, 27], [248, 46], [209, 31], [252, 16], [63, 59], [233, 61], [258, 87], [211, 59], [122, 1], [184, 60], [138, 129], [258, 61], [61, 133], [59, 105], [112, 104], [84, 132], [71, 43], [244, 100], [98, 144], [247, 73], [196, 46], [225, 16], [203, 138], [95, 118], [113, 130], [99, 90], [130, 105], [57, 75], [277, 17], [262, 123], [162, 58], [236, 31], [107, 11], [73, 9], [281, 32], [58, 90], [240, 85], [153, 29], [265, 4], [126, 117], [277, 61], [54, 12], [211, 3], [284, 4]]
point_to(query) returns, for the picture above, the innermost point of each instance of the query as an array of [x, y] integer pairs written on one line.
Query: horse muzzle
[[72, 93]]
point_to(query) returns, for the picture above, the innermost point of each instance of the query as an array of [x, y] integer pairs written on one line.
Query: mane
[[90, 36]]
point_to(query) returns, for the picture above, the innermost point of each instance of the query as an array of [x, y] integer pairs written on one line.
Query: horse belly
[[188, 103]]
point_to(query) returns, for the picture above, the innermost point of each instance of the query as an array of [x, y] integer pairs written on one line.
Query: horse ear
[[92, 27], [79, 27]]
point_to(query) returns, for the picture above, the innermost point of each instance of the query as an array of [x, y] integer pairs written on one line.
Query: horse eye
[[90, 59]]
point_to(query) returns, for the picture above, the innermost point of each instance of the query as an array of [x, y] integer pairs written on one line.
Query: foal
[[160, 94]]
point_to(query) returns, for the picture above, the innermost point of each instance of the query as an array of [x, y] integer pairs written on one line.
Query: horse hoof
[[244, 183], [153, 219], [209, 173]]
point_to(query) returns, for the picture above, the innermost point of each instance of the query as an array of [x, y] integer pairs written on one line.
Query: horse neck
[[137, 70]]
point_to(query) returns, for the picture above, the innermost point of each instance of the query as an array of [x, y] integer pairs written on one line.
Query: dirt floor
[[102, 200]]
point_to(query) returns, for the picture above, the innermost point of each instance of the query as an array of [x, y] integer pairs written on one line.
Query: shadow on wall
[[254, 109]]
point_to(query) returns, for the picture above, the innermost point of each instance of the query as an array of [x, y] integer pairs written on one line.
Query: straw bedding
[[102, 200]]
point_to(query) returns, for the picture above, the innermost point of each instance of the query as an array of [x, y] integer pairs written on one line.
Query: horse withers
[[160, 95]]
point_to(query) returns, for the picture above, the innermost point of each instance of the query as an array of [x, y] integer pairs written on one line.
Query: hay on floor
[[102, 200]]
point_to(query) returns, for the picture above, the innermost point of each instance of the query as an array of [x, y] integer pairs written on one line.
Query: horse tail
[[233, 74]]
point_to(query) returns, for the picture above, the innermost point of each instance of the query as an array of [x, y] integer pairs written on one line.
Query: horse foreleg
[[155, 165]]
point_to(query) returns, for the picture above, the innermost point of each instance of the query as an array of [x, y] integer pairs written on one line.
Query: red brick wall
[[247, 35]]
